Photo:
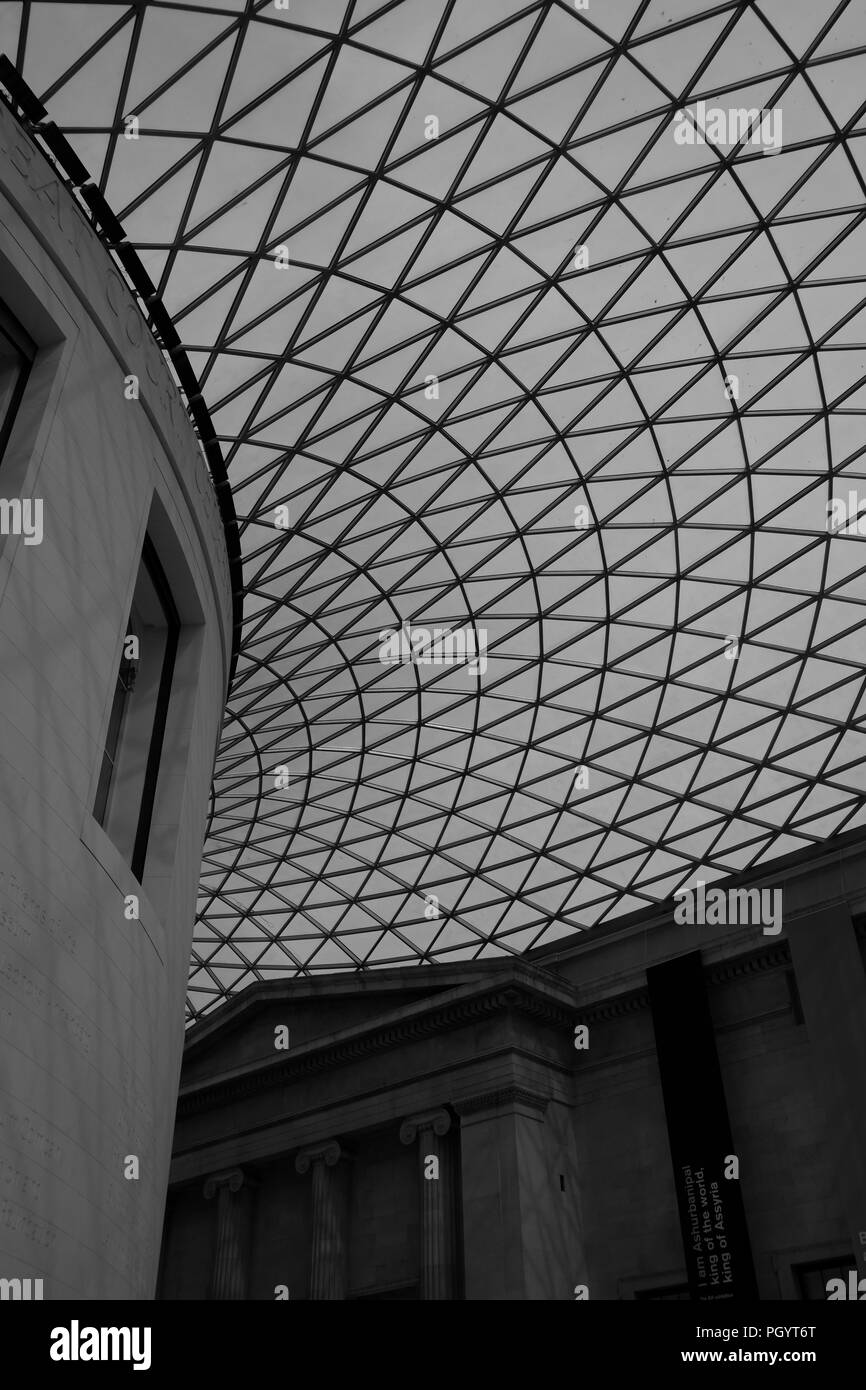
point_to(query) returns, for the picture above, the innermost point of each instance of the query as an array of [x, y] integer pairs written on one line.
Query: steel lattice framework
[[435, 385]]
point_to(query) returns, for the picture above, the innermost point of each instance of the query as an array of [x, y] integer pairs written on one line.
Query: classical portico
[[387, 1189], [518, 1130]]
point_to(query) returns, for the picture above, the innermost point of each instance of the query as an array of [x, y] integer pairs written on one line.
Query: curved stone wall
[[92, 996]]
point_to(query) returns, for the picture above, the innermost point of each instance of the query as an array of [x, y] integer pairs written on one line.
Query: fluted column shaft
[[329, 1254], [436, 1186], [229, 1273]]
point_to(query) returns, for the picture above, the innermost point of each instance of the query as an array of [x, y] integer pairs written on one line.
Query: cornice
[[537, 1006], [505, 1096], [619, 1007], [387, 985], [828, 858], [513, 995], [770, 958], [324, 1056]]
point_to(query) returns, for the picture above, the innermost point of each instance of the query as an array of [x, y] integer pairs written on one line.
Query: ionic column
[[229, 1274], [436, 1182], [329, 1259]]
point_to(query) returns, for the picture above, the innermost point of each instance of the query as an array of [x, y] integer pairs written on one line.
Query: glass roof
[[605, 474]]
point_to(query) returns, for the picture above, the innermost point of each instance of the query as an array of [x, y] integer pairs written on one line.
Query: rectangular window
[[16, 354], [136, 727]]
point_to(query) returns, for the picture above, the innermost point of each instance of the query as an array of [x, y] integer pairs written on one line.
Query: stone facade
[[553, 1162], [91, 1000]]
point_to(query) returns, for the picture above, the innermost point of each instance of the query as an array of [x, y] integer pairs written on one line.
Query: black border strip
[[113, 238]]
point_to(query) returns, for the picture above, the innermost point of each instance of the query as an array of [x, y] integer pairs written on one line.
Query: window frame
[[151, 563], [24, 346]]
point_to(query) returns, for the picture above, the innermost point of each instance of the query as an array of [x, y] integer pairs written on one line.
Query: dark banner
[[705, 1162]]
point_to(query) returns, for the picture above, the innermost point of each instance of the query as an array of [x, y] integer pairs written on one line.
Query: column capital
[[330, 1154], [437, 1120], [232, 1178]]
